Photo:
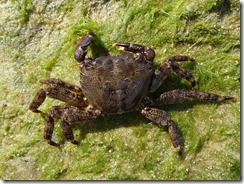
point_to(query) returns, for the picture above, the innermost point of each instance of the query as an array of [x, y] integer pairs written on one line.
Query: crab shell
[[116, 84]]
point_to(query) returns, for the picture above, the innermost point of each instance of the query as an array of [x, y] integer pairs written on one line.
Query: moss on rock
[[37, 41]]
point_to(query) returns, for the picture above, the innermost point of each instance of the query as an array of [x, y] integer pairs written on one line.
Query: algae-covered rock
[[37, 40]]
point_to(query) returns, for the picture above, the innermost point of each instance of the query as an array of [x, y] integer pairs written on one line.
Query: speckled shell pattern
[[116, 84]]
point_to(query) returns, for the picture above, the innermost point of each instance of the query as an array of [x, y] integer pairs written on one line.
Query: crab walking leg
[[56, 92], [179, 96], [163, 118], [57, 112], [48, 130], [67, 114], [165, 68], [147, 52], [62, 84]]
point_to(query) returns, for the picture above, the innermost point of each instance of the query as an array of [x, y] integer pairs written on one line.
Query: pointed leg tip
[[179, 150], [180, 154], [52, 143], [225, 98], [36, 111], [75, 142], [193, 83], [230, 98]]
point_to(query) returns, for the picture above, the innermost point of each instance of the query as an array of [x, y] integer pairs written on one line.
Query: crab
[[118, 84]]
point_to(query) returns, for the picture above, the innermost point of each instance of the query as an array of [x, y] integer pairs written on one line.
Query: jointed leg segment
[[179, 96], [165, 68], [62, 84], [58, 90], [66, 114], [163, 118]]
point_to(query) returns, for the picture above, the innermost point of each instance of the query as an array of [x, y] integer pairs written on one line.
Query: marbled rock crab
[[115, 85]]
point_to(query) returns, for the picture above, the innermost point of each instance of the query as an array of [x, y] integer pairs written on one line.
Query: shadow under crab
[[115, 85]]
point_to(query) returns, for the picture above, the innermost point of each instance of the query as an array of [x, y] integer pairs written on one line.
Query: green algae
[[38, 39]]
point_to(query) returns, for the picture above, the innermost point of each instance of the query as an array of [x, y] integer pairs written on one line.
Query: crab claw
[[148, 53], [80, 51], [122, 46]]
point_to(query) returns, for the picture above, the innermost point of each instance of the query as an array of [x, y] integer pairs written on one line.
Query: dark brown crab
[[115, 85]]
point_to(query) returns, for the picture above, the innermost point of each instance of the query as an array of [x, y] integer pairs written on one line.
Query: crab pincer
[[81, 48], [147, 52]]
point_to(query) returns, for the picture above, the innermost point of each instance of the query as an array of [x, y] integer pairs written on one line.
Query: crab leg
[[67, 114], [62, 84], [163, 118], [178, 96], [56, 92], [148, 53], [165, 68]]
